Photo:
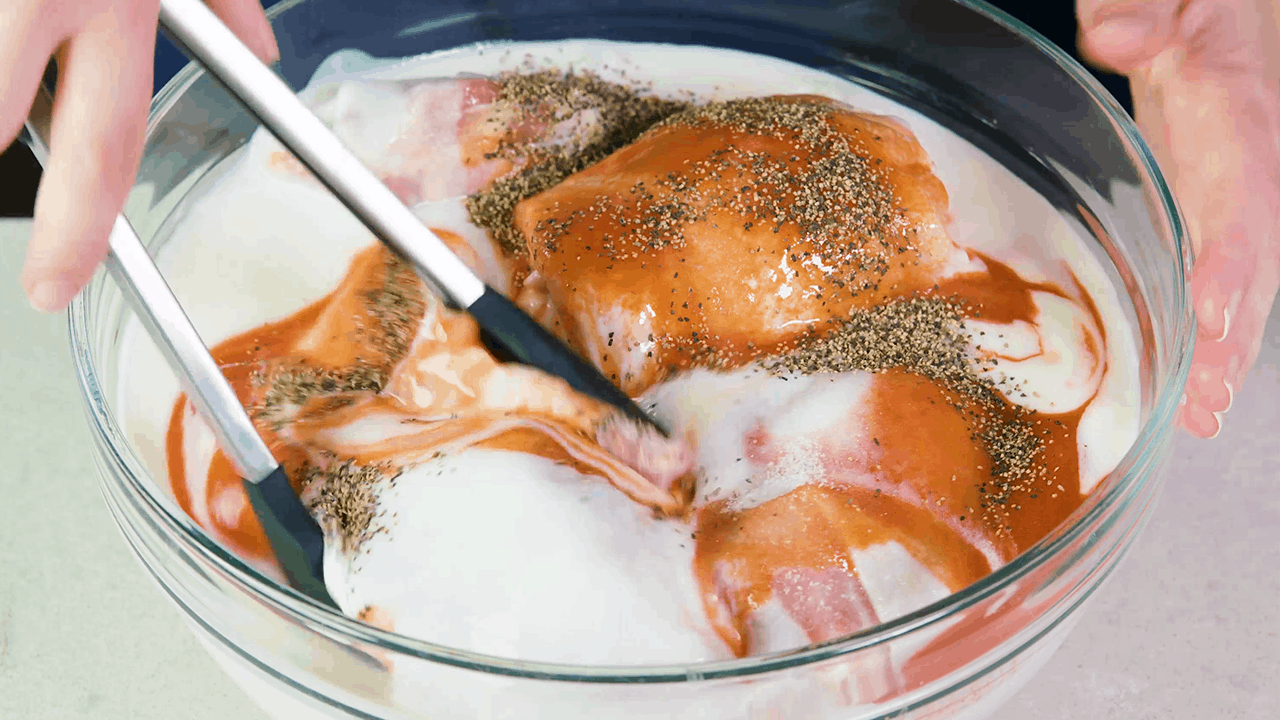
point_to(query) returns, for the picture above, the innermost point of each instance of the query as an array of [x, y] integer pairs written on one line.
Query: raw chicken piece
[[439, 138], [734, 230], [779, 547], [417, 382]]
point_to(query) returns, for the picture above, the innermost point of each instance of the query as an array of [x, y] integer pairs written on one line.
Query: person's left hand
[[1206, 98]]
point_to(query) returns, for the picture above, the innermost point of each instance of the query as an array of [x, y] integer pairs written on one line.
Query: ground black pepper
[[621, 113]]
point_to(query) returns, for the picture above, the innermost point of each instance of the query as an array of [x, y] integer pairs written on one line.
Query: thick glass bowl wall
[[992, 80]]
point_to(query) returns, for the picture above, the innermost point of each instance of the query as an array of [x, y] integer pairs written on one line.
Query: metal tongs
[[295, 537]]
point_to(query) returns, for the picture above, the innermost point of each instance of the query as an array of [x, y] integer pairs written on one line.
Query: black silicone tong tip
[[520, 338], [295, 537]]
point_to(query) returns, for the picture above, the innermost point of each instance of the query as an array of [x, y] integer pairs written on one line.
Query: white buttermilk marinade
[[506, 548]]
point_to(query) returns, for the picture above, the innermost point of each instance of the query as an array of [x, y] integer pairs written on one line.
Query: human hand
[[105, 51], [1206, 97]]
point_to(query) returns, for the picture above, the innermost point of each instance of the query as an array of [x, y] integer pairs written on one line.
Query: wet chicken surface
[[729, 232], [727, 236]]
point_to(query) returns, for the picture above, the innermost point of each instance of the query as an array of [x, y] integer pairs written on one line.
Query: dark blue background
[[19, 172]]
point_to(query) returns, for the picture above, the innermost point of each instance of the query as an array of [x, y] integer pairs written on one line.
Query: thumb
[[1123, 35]]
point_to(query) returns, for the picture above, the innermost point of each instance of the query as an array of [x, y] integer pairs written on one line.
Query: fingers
[[26, 41], [1221, 277], [1200, 422], [104, 89], [1123, 35], [247, 20], [1222, 36], [1219, 36], [1212, 115], [1233, 285], [1220, 363], [1218, 286], [99, 119]]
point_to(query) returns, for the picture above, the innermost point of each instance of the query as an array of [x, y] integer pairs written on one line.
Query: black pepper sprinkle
[[924, 336], [551, 97], [389, 317], [343, 501]]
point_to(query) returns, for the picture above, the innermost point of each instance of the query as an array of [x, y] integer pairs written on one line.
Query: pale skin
[[105, 51], [1204, 77]]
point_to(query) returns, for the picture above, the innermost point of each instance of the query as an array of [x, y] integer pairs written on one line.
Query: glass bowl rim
[[298, 608]]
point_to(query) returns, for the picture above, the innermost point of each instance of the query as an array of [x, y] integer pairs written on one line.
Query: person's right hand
[[106, 52]]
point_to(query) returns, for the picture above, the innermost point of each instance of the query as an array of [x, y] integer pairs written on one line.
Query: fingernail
[[1214, 318], [1228, 312], [50, 295]]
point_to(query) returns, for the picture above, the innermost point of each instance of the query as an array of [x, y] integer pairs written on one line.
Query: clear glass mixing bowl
[[993, 80]]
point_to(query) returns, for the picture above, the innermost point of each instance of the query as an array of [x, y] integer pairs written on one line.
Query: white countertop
[[1187, 628]]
